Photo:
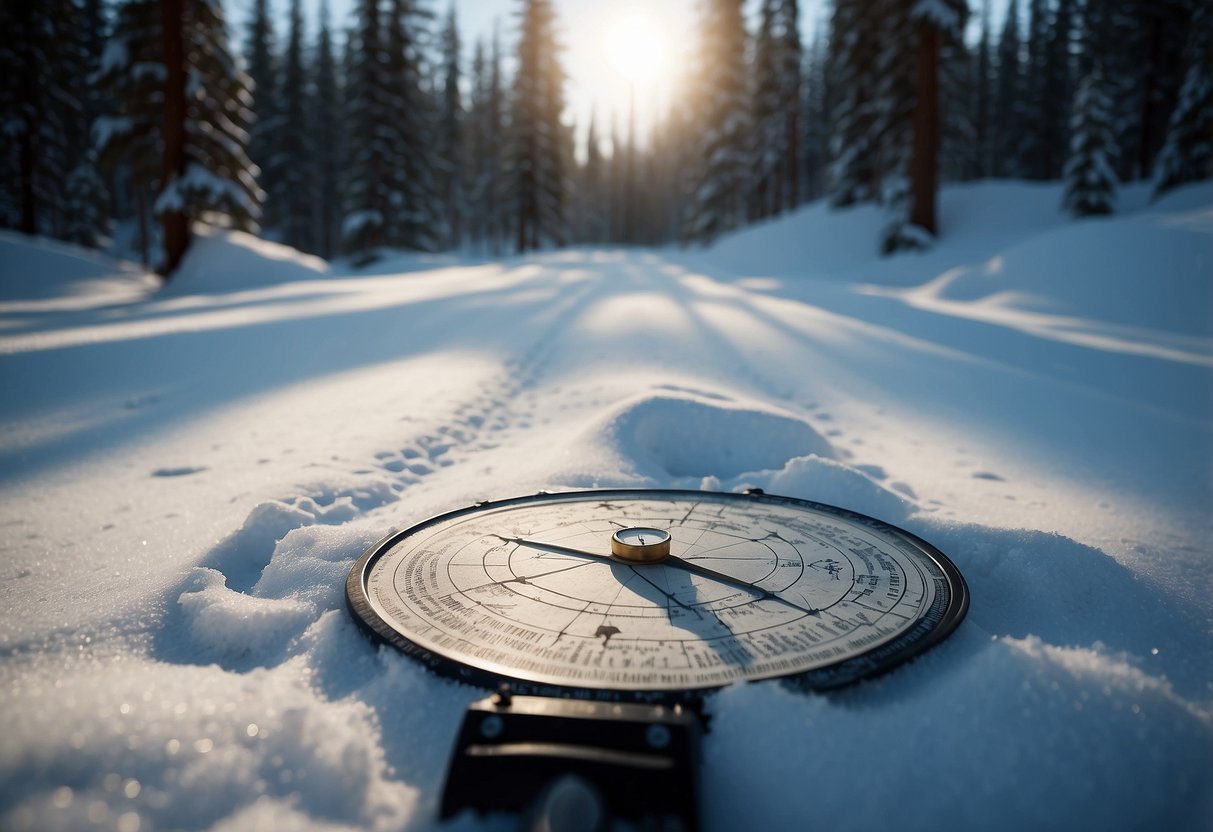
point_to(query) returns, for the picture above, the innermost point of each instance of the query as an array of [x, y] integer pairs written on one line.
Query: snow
[[186, 476]]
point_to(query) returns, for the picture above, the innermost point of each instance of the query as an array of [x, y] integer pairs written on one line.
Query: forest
[[395, 133]]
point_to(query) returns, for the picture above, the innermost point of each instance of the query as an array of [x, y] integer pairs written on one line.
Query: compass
[[656, 595]]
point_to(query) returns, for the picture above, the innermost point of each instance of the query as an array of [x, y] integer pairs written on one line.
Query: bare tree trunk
[[176, 226], [924, 168]]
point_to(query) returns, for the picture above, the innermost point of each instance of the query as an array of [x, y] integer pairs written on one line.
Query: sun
[[637, 46]]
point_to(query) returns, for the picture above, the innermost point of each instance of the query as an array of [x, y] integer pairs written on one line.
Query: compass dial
[[707, 589]]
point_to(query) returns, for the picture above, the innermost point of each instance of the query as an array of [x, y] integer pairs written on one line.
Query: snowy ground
[[186, 477]]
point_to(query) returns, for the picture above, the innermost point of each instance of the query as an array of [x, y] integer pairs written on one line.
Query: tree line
[[389, 134]]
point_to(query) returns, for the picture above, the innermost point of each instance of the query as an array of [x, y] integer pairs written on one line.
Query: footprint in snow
[[183, 471]]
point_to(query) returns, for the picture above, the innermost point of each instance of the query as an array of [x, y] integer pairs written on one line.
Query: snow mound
[[35, 268], [1014, 710], [231, 628], [220, 261], [173, 747], [1143, 270], [687, 435], [825, 481]]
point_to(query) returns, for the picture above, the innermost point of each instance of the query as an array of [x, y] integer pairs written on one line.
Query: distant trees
[[1187, 154], [42, 58], [539, 139], [717, 201], [392, 133]]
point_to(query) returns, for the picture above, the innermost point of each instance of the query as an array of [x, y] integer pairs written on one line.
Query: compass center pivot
[[640, 544]]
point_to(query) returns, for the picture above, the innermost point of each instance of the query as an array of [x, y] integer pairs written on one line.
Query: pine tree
[[852, 78], [205, 170], [983, 115], [1009, 117], [718, 200], [1187, 155], [451, 161], [127, 136], [485, 225], [37, 108], [328, 147], [766, 116], [407, 118], [1089, 175], [297, 197], [910, 114], [1034, 153], [1142, 61], [537, 158], [815, 119], [489, 220], [86, 214], [893, 104], [180, 101], [1057, 89], [958, 99], [265, 132], [86, 199], [366, 209], [789, 67], [592, 193]]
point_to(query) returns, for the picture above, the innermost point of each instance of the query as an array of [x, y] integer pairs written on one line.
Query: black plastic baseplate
[[572, 764]]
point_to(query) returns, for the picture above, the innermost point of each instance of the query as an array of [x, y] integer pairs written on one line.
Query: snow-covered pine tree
[[298, 196], [206, 172], [766, 117], [85, 204], [538, 187], [789, 67], [327, 111], [983, 111], [366, 203], [1009, 115], [1090, 176], [718, 199], [38, 106], [893, 110], [487, 194], [452, 161], [909, 114], [484, 139], [1034, 153], [86, 199], [815, 119], [127, 135], [958, 99], [592, 220], [265, 132], [617, 186], [1142, 62], [1058, 86], [1187, 155], [407, 119], [854, 51]]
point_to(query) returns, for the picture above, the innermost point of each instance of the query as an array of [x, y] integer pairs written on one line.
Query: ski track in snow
[[222, 684]]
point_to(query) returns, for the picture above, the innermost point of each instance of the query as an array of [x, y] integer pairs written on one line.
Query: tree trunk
[[924, 167], [176, 226]]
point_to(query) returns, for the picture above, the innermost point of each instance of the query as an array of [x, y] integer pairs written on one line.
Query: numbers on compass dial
[[656, 591]]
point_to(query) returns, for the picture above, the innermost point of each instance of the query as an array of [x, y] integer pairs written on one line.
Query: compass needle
[[580, 593]]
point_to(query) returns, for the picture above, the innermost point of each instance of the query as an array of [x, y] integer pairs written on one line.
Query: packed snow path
[[186, 477]]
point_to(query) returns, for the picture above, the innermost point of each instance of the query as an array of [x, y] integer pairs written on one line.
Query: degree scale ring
[[755, 586]]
